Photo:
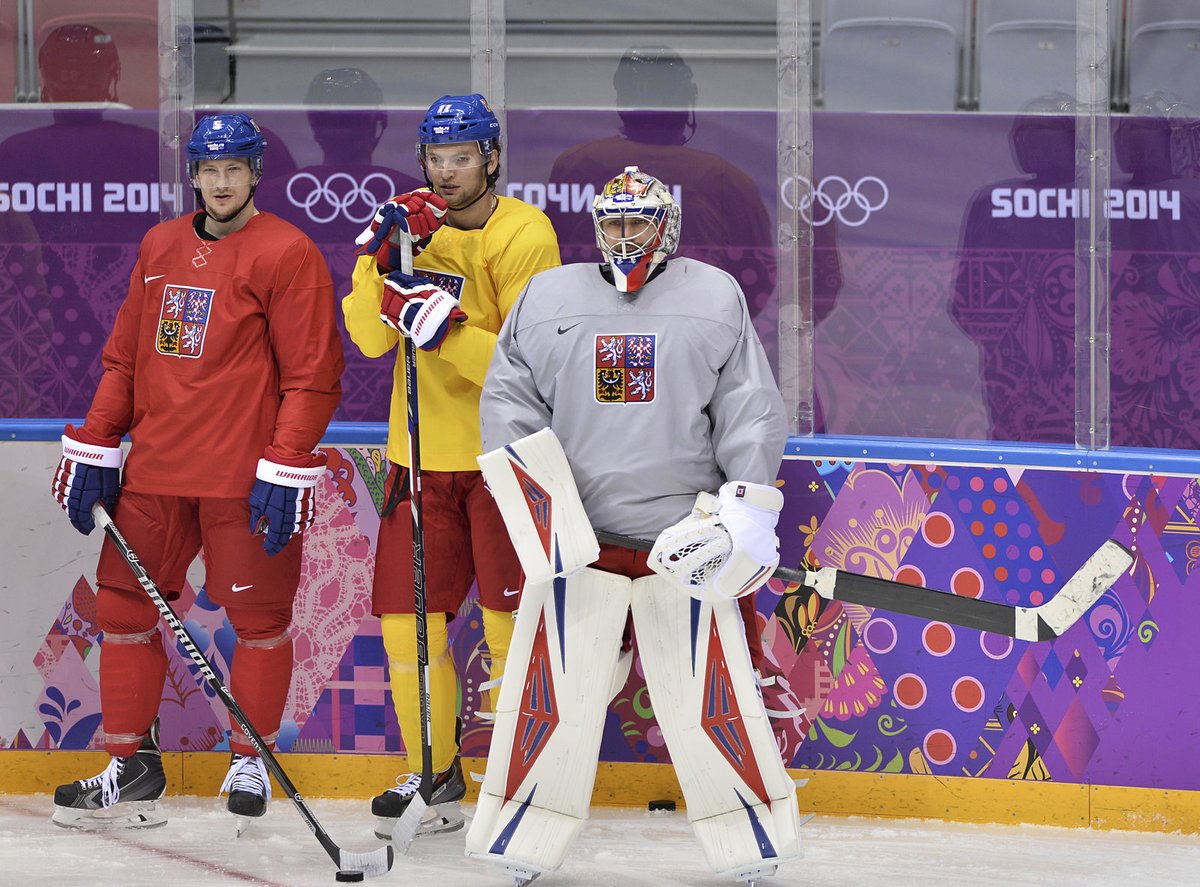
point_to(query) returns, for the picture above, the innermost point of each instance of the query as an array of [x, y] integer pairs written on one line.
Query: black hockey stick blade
[[371, 864], [1041, 623]]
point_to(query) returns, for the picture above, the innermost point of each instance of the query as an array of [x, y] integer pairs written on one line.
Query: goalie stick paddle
[[1041, 623], [376, 862]]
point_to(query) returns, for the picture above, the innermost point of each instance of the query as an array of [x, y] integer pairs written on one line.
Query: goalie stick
[[1041, 623], [376, 862]]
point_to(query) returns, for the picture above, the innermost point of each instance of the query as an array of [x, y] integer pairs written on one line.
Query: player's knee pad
[[740, 799], [123, 612], [259, 626], [550, 718]]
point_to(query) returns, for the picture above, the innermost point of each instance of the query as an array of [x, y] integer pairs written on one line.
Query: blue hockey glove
[[87, 473], [282, 503]]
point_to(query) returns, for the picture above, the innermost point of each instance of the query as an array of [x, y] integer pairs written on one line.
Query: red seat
[[134, 33], [8, 58]]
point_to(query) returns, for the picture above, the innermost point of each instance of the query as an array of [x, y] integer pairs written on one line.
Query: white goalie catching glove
[[727, 546]]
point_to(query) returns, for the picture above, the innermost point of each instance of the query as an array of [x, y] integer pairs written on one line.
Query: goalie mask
[[637, 227]]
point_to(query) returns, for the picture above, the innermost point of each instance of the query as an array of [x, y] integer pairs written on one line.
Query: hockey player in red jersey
[[223, 368]]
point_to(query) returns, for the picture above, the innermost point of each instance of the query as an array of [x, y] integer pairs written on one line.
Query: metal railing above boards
[[910, 451], [934, 451]]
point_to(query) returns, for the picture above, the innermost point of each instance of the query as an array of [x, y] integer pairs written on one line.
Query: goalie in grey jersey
[[650, 375]]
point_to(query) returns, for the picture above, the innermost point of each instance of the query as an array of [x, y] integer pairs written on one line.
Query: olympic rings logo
[[835, 197], [340, 194]]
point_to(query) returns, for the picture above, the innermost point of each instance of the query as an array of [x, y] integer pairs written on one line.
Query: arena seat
[[1027, 49], [885, 64], [8, 58], [135, 34], [1163, 49], [1166, 57], [913, 15]]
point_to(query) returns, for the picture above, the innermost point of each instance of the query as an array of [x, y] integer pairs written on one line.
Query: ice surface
[[617, 848]]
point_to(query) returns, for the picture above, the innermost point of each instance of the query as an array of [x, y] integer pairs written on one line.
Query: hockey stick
[[410, 821], [376, 862], [1041, 623]]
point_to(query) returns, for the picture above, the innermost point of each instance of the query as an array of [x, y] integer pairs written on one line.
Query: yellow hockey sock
[[400, 642], [498, 632]]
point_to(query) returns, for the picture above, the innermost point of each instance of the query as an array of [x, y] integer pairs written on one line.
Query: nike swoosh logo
[[235, 588], [511, 592], [567, 329], [146, 280]]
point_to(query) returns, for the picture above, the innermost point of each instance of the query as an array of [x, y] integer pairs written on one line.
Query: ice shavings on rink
[[617, 848]]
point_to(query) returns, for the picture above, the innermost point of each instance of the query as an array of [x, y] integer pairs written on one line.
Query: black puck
[[345, 875], [662, 804]]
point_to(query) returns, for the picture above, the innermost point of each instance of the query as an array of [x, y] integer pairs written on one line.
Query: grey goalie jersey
[[654, 397]]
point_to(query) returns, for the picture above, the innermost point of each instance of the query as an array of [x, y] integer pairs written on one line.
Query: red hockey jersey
[[221, 349]]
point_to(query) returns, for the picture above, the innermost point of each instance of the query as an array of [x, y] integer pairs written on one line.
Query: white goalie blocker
[[563, 663], [531, 481]]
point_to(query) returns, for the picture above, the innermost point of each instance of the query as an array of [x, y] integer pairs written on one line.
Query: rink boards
[[1090, 729]]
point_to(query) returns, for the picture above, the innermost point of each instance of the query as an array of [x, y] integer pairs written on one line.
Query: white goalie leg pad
[[534, 489], [549, 720], [740, 799]]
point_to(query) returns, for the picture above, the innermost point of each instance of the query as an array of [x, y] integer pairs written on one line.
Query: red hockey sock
[[261, 671], [133, 668]]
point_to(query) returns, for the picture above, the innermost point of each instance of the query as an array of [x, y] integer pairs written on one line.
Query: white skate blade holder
[[433, 820], [127, 815]]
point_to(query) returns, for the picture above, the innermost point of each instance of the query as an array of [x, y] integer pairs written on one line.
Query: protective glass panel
[[938, 225], [1154, 211], [945, 184], [688, 96]]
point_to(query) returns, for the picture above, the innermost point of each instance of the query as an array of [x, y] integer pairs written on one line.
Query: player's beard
[[226, 219], [461, 205]]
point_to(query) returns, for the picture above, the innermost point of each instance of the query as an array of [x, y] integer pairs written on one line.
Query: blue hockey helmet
[[226, 135], [460, 118]]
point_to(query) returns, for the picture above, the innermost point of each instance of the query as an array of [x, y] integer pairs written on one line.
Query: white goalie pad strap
[[541, 766], [740, 799], [534, 489]]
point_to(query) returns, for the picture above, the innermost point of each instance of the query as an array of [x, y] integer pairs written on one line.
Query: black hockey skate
[[443, 814], [249, 788], [125, 795]]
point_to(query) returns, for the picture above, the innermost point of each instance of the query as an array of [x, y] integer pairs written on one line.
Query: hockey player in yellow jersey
[[475, 251]]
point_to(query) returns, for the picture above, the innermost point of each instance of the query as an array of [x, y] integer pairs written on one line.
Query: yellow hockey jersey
[[485, 269]]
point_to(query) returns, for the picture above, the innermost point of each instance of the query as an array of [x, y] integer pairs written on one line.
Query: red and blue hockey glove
[[282, 503], [413, 216], [419, 309], [89, 471]]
